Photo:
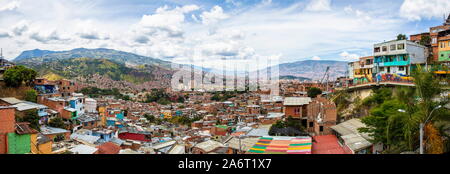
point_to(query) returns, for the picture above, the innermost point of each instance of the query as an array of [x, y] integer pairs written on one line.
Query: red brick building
[[322, 114], [296, 107], [66, 87], [7, 125]]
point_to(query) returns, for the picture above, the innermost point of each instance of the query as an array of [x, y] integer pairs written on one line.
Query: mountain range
[[100, 53], [314, 69], [133, 68]]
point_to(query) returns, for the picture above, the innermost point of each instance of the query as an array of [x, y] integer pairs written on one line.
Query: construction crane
[[327, 74]]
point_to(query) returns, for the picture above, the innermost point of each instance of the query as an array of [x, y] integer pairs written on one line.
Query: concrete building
[[398, 57], [363, 70], [90, 105], [295, 107], [436, 33]]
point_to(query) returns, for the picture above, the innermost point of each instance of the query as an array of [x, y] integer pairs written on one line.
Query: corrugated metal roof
[[246, 143], [209, 145], [295, 101], [83, 149], [177, 149], [11, 100], [260, 132], [87, 138], [356, 142], [28, 105], [348, 127], [351, 136], [52, 130]]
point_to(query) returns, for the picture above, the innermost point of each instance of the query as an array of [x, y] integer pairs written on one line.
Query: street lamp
[[422, 125]]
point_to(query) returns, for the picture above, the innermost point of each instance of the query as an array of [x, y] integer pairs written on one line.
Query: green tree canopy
[[16, 76], [31, 117], [314, 92], [31, 95], [401, 37], [57, 122]]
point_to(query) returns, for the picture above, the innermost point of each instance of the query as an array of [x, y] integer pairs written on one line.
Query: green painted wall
[[444, 55], [19, 144]]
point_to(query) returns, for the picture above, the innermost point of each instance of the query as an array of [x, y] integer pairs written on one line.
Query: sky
[[213, 30]]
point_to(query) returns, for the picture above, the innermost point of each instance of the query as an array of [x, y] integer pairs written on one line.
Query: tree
[[384, 124], [425, 40], [290, 127], [16, 76], [401, 37], [57, 122], [31, 117], [150, 118], [395, 119], [31, 96], [313, 92]]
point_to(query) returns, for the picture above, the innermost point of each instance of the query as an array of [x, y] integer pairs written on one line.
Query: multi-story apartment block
[[444, 46], [398, 57], [363, 70], [439, 33]]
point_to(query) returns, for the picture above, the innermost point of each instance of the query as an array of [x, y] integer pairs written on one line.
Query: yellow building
[[362, 70], [444, 49], [166, 114], [40, 144], [102, 113]]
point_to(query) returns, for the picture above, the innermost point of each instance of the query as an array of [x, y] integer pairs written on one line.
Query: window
[[384, 48], [401, 46], [381, 68], [392, 47], [297, 110], [321, 128], [311, 124], [401, 68], [377, 49]]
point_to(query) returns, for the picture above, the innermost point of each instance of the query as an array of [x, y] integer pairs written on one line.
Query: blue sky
[[182, 30]]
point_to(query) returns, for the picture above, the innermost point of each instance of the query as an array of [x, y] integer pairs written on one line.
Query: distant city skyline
[[176, 30]]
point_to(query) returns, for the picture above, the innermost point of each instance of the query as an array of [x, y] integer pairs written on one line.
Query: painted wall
[[444, 55], [19, 144], [417, 54], [45, 148]]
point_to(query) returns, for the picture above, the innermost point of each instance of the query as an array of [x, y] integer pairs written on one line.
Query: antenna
[[1, 53]]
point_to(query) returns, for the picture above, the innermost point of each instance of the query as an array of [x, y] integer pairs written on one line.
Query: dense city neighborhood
[[45, 115]]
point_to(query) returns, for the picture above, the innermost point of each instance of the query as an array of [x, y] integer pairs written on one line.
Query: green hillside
[[84, 67]]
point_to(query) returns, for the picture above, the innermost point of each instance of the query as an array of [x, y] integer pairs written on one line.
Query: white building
[[90, 105]]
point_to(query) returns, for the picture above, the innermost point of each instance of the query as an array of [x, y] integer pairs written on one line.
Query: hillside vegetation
[[84, 67]]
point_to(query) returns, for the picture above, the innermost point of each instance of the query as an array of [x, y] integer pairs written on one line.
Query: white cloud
[[4, 34], [319, 5], [13, 5], [349, 57], [46, 38], [315, 58], [166, 21], [357, 13], [420, 9], [20, 28], [287, 30], [215, 15]]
